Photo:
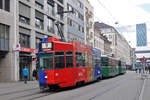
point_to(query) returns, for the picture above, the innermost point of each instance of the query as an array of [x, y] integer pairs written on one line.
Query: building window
[[59, 10], [70, 22], [1, 4], [79, 28], [50, 8], [38, 40], [110, 36], [5, 4], [38, 5], [24, 20], [50, 26], [4, 37], [24, 40], [80, 16], [61, 1], [50, 2], [82, 29], [39, 23], [24, 13], [39, 20], [80, 4]]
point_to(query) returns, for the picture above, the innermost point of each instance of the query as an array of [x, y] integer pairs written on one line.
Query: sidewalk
[[146, 90], [6, 88]]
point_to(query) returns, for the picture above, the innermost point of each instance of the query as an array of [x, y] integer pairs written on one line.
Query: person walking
[[34, 74], [25, 74], [149, 68], [136, 69]]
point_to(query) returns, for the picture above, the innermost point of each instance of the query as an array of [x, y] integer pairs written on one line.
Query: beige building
[[89, 23], [120, 47], [101, 42], [98, 39], [107, 47]]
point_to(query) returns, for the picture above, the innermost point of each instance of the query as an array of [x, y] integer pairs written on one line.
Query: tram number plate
[[46, 45]]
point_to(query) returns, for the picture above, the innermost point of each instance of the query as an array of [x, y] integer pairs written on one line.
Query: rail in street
[[129, 86]]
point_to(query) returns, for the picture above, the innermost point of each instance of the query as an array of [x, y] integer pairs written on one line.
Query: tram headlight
[[45, 77]]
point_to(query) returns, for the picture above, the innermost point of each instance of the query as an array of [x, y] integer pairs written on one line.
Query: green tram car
[[122, 67], [112, 67]]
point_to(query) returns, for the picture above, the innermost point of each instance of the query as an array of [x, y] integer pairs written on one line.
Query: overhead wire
[[109, 12]]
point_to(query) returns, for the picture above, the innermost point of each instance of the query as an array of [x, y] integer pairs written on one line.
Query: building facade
[[7, 38], [107, 46], [120, 47], [98, 39], [75, 20], [89, 23], [25, 23], [141, 35]]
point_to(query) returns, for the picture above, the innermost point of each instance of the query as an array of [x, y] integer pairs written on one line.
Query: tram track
[[32, 96], [116, 83], [106, 87], [19, 91]]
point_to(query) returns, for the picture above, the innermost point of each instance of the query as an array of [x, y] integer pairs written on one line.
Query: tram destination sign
[[47, 45]]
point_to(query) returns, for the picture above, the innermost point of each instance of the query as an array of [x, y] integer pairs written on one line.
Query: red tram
[[64, 64]]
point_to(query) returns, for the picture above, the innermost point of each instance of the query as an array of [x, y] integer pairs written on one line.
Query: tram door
[[25, 60]]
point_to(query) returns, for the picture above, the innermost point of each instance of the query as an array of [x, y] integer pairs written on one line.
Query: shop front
[[25, 59]]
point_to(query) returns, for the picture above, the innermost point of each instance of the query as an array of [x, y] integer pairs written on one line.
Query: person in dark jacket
[[34, 74], [149, 69]]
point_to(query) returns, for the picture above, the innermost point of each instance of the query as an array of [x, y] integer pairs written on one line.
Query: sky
[[127, 13]]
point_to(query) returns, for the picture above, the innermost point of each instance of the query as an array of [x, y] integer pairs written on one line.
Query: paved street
[[124, 87]]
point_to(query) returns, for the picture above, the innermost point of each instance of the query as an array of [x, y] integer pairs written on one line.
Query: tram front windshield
[[46, 61]]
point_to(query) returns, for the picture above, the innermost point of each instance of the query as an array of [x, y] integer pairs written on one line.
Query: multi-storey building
[[120, 47], [141, 35], [89, 23], [7, 38], [23, 23], [107, 46], [75, 20], [98, 39]]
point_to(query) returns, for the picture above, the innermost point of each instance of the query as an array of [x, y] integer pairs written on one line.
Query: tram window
[[104, 62], [59, 60], [80, 59], [46, 61], [84, 60], [69, 59], [97, 61]]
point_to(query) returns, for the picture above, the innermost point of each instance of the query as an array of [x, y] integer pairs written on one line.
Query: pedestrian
[[149, 69], [140, 70], [146, 69], [34, 74], [136, 69], [25, 74]]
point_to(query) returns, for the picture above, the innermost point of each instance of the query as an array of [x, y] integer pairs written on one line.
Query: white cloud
[[126, 12]]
